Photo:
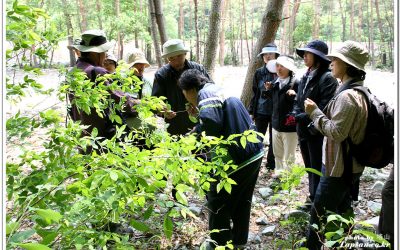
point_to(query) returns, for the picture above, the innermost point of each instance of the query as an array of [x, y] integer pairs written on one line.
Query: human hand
[[192, 111], [268, 85], [309, 106], [291, 92], [169, 114]]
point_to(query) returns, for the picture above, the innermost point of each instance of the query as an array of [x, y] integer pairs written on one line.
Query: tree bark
[[352, 33], [160, 20], [360, 19], [343, 13], [153, 26], [181, 20], [120, 42], [221, 55], [98, 8], [212, 41], [70, 32], [269, 26], [245, 30], [382, 32], [196, 27], [371, 34], [296, 6], [82, 11], [317, 14]]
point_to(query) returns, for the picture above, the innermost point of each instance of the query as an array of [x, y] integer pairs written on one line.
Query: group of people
[[311, 111]]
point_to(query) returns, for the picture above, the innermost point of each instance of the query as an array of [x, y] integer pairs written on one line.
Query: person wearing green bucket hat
[[343, 118], [93, 47], [166, 84]]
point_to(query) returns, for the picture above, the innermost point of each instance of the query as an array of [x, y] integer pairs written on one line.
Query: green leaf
[[253, 138], [168, 226], [139, 226], [243, 141], [193, 119], [113, 175], [11, 227], [21, 236], [180, 196], [314, 171], [228, 187], [148, 213], [33, 246], [49, 215]]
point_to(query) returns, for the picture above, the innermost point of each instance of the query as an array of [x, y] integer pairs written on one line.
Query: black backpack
[[377, 148]]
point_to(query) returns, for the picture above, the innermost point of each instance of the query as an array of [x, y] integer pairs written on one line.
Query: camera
[[312, 129], [265, 94]]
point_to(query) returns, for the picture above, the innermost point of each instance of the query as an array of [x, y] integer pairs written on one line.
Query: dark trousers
[[311, 150], [386, 218], [224, 207], [263, 122], [332, 194]]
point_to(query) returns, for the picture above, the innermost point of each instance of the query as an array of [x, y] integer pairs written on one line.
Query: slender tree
[[381, 31], [160, 20], [98, 9], [181, 19], [83, 15], [70, 32], [352, 33], [245, 29], [295, 9], [317, 14], [269, 26], [196, 27], [154, 33], [221, 55], [371, 33], [212, 43], [343, 14]]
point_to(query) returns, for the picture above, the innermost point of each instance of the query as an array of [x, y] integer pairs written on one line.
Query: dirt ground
[[232, 79]]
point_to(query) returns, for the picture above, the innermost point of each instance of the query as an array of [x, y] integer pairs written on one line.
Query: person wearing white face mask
[[283, 92]]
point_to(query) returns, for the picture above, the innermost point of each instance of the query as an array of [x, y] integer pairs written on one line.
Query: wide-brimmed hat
[[76, 41], [352, 53], [316, 47], [111, 57], [287, 62], [269, 48], [271, 66], [173, 47], [94, 41], [137, 56]]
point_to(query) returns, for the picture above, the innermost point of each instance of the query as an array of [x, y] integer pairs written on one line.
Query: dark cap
[[316, 47]]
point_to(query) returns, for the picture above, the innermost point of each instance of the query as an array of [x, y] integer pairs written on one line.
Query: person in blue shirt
[[223, 117]]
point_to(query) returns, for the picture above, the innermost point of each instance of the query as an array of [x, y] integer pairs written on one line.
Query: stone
[[268, 230], [254, 238], [373, 221], [195, 209], [265, 192], [378, 186], [375, 207], [297, 215], [261, 221]]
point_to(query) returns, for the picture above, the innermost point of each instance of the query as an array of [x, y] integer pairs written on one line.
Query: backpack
[[376, 150]]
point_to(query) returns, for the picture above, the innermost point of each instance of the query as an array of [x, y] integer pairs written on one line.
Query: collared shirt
[[309, 77], [346, 116], [283, 81]]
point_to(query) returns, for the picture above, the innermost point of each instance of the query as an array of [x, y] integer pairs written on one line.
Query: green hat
[[94, 41], [352, 53], [173, 47], [137, 56]]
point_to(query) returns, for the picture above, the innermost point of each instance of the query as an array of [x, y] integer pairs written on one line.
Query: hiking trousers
[[224, 207]]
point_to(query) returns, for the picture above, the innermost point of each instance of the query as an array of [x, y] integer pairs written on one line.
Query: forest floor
[[266, 228]]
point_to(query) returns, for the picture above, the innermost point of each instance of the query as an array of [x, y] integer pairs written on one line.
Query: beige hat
[[94, 41], [352, 53], [287, 62], [174, 47], [137, 56]]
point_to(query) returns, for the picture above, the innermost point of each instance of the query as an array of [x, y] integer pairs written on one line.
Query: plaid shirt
[[346, 116]]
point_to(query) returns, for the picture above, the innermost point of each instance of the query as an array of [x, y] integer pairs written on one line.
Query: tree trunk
[[352, 33], [269, 26], [371, 34], [284, 39], [120, 43], [222, 33], [212, 41], [181, 20], [343, 12], [153, 26], [241, 39], [160, 21], [70, 32], [83, 12], [245, 30], [98, 8], [317, 14], [360, 19], [382, 33], [296, 6], [196, 27]]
